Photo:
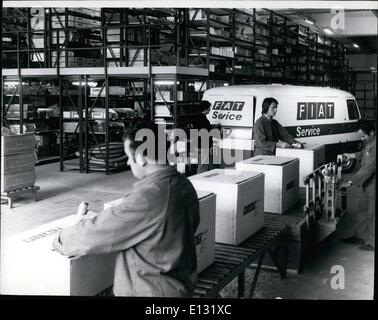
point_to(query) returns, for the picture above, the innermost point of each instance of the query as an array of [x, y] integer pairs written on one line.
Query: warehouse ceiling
[[350, 26]]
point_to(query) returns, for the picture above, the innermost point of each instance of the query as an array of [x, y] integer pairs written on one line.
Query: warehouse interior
[[75, 79]]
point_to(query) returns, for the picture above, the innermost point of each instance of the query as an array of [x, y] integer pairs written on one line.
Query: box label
[[42, 234], [250, 207], [290, 185], [200, 239]]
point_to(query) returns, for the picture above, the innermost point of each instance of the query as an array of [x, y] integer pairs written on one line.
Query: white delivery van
[[315, 115]]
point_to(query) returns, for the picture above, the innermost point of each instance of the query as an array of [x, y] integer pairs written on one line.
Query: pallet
[[19, 192]]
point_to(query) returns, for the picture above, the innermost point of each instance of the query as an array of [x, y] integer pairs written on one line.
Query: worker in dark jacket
[[268, 133], [151, 230], [204, 151], [364, 232]]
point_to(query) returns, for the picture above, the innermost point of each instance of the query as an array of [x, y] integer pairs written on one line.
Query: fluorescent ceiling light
[[328, 30], [91, 84], [165, 82], [356, 45], [13, 83]]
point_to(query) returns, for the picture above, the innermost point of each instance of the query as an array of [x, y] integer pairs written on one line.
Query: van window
[[352, 110]]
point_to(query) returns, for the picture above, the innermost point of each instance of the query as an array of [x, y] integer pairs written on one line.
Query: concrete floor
[[61, 192]]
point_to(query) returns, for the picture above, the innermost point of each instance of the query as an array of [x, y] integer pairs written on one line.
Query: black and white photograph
[[188, 149]]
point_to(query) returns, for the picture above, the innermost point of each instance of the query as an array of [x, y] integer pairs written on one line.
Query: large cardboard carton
[[16, 144], [310, 158], [29, 266], [240, 202], [205, 234], [17, 162], [281, 180], [17, 180]]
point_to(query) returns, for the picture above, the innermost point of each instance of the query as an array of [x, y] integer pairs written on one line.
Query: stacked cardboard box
[[281, 180], [17, 162], [240, 202]]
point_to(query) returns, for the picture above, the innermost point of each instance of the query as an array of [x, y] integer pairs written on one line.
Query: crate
[[17, 180], [17, 144], [17, 162]]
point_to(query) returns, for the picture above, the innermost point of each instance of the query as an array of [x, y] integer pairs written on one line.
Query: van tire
[[349, 166]]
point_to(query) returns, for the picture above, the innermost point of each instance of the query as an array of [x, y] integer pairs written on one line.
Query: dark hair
[[266, 104], [204, 105], [131, 133], [366, 126]]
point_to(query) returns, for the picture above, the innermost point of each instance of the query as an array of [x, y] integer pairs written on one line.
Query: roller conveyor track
[[232, 261]]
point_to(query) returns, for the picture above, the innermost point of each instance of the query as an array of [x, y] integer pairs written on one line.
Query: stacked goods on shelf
[[13, 112], [97, 154], [137, 57], [17, 161], [113, 91], [84, 32], [27, 128], [37, 36], [13, 19]]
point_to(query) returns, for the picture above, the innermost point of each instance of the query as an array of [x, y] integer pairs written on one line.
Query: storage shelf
[[266, 30]]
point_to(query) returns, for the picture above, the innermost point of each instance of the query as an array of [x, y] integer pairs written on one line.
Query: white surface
[[205, 233], [29, 266]]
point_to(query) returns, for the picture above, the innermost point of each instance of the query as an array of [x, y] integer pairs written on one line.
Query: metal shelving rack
[[139, 49], [364, 88]]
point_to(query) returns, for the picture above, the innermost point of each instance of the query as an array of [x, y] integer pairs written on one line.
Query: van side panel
[[311, 118], [310, 114]]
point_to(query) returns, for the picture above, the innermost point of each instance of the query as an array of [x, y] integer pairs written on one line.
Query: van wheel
[[349, 165]]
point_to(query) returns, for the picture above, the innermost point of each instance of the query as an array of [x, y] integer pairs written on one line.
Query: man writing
[[268, 133], [152, 229]]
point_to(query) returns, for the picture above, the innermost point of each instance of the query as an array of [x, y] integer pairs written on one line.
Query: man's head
[[141, 144], [366, 128], [269, 107], [204, 106]]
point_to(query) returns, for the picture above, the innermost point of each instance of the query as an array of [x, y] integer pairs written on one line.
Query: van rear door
[[235, 115], [231, 111]]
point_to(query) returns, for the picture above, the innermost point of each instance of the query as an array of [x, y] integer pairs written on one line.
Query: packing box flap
[[229, 176], [269, 160], [203, 194]]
